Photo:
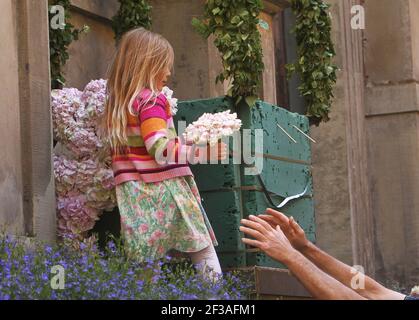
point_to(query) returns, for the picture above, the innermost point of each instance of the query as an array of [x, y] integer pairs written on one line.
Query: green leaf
[[251, 101], [227, 55], [235, 20], [216, 11]]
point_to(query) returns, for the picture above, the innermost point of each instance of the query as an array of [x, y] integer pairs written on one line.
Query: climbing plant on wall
[[315, 52], [60, 39], [234, 26], [131, 14]]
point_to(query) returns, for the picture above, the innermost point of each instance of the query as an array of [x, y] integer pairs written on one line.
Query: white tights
[[206, 258]]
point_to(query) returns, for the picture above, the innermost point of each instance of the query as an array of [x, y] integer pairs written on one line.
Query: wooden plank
[[268, 45], [34, 86], [278, 282], [280, 60], [272, 283]]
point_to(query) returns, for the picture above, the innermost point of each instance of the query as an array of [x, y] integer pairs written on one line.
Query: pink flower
[[157, 235], [74, 216], [143, 228], [160, 216]]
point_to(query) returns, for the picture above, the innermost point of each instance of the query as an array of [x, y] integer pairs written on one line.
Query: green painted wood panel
[[266, 116], [223, 209], [286, 171]]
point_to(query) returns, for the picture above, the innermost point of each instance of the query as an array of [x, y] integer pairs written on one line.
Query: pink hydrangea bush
[[82, 162]]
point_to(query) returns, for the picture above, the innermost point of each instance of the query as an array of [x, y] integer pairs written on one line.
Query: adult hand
[[271, 241], [289, 226]]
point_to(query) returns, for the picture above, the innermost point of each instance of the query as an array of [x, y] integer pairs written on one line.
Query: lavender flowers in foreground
[[25, 273]]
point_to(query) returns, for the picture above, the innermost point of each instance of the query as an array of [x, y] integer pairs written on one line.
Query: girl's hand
[[217, 152]]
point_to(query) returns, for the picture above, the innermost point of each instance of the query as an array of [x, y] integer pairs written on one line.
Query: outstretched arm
[[160, 140], [160, 144], [275, 244], [330, 265]]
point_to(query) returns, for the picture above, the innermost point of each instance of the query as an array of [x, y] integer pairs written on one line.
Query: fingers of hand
[[222, 147], [278, 215], [251, 232], [274, 221], [263, 223], [268, 219], [294, 224], [222, 155], [253, 225], [252, 242], [220, 150]]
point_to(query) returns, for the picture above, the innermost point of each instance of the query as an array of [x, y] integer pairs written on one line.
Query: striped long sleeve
[[151, 136], [159, 133]]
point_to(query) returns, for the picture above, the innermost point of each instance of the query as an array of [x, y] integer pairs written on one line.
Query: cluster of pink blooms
[[75, 114], [82, 162], [210, 128]]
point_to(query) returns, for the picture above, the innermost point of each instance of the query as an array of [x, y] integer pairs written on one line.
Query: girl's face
[[163, 78]]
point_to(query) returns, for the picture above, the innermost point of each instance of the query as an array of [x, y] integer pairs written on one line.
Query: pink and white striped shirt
[[154, 152]]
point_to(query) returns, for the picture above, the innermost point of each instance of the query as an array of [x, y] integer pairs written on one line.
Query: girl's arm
[[154, 130]]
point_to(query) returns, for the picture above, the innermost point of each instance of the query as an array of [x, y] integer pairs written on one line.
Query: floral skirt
[[161, 216]]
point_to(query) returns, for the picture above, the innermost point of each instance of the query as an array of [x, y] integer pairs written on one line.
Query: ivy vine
[[234, 25], [131, 14], [315, 52], [59, 41]]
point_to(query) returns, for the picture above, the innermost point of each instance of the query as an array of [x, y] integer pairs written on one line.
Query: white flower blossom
[[210, 128], [172, 101]]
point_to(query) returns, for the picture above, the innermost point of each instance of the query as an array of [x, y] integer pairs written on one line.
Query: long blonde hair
[[141, 56]]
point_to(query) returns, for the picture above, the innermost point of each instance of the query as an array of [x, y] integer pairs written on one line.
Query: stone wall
[[392, 105], [330, 164], [91, 55]]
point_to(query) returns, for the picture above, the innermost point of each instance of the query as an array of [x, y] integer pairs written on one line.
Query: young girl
[[158, 199]]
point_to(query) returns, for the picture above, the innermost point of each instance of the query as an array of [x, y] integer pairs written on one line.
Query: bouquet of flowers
[[210, 128]]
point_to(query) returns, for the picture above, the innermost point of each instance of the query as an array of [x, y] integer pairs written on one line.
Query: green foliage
[[315, 54], [59, 41], [234, 26], [131, 14]]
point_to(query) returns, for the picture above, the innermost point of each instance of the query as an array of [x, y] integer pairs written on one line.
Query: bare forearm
[[318, 283], [342, 272]]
